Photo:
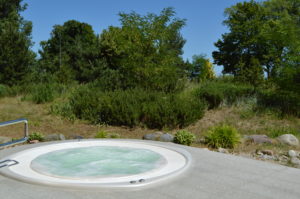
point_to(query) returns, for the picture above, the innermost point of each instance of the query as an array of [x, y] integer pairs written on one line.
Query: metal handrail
[[11, 122]]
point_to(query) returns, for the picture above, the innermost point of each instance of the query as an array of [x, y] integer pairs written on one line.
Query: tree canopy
[[15, 42], [145, 50], [71, 52], [263, 38]]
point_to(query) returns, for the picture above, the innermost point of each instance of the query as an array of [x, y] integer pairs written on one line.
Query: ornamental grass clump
[[222, 136], [184, 137]]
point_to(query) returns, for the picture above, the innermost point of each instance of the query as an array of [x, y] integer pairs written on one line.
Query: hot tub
[[98, 163]]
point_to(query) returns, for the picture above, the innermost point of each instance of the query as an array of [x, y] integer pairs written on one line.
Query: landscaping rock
[[78, 137], [295, 161], [54, 137], [166, 137], [267, 152], [159, 136], [222, 150], [292, 153], [153, 136], [267, 157], [288, 139], [4, 139], [258, 139]]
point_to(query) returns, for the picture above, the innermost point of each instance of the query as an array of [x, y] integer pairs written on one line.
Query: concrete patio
[[211, 175]]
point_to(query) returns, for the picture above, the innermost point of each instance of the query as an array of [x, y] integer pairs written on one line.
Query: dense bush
[[222, 136], [3, 90], [135, 107], [184, 137], [286, 102], [43, 92], [216, 92]]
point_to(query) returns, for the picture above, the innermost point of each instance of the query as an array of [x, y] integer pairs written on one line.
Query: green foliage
[[274, 133], [136, 107], [43, 92], [184, 137], [286, 102], [202, 69], [145, 51], [71, 53], [241, 50], [15, 42], [64, 109], [263, 37], [216, 92], [36, 136], [101, 134], [222, 136], [3, 90]]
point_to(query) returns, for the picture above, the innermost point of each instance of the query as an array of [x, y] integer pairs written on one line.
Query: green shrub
[[184, 137], [286, 102], [222, 136], [36, 136], [216, 92], [64, 109], [3, 90], [101, 134], [135, 107], [42, 93]]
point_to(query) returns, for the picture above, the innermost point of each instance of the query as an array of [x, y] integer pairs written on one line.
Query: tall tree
[[71, 52], [16, 56], [238, 49], [263, 37], [145, 50], [202, 68]]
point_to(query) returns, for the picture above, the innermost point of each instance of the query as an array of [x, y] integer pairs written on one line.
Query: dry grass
[[40, 120], [260, 123]]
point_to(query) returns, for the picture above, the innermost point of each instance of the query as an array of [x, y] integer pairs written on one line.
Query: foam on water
[[97, 161]]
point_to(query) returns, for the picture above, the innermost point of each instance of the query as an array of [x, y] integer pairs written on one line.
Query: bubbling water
[[97, 161]]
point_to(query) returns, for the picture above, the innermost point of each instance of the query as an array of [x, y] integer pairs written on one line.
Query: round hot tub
[[94, 163]]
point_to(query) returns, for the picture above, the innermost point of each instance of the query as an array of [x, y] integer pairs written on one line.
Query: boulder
[[166, 137], [54, 137], [4, 139], [295, 161], [288, 139], [258, 139], [292, 153], [153, 136], [159, 136]]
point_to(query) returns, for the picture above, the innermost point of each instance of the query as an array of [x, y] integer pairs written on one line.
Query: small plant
[[36, 136], [114, 135], [222, 136], [184, 137], [101, 134]]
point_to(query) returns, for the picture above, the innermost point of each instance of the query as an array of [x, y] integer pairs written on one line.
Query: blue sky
[[203, 28]]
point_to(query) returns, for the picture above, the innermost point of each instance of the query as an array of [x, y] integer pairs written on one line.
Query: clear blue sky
[[203, 28]]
